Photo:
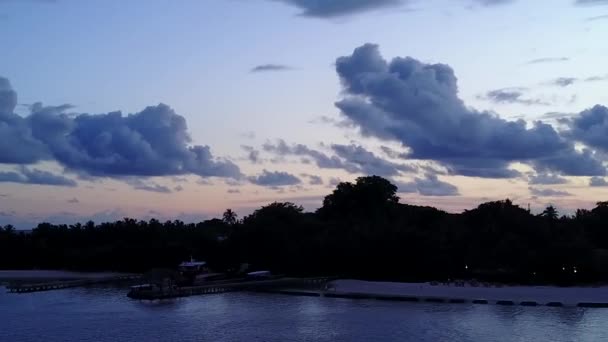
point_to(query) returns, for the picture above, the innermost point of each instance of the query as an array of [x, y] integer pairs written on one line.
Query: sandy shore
[[539, 294]]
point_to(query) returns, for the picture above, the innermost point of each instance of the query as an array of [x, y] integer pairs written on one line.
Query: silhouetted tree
[[550, 212], [229, 217], [360, 231]]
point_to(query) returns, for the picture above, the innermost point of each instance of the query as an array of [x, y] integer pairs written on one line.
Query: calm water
[[106, 314]]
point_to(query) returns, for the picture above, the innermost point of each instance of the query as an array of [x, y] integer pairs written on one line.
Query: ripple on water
[[106, 314]]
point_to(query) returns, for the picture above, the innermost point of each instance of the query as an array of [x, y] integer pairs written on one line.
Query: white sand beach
[[539, 294]]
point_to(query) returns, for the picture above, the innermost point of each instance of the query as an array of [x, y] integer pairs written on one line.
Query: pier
[[64, 284], [253, 285]]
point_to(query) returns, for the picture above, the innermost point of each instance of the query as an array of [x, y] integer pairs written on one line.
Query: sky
[[179, 110]]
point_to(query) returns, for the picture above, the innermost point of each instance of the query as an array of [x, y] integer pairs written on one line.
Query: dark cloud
[[322, 160], [548, 60], [598, 182], [313, 179], [146, 185], [568, 81], [337, 8], [417, 104], [73, 200], [178, 188], [274, 179], [270, 68], [548, 192], [556, 115], [233, 191], [546, 179], [591, 2], [430, 185], [511, 95], [153, 142], [351, 158], [564, 81], [368, 163], [252, 154], [591, 127], [34, 176]]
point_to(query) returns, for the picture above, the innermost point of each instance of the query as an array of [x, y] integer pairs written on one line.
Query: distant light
[[575, 270], [466, 267], [563, 268]]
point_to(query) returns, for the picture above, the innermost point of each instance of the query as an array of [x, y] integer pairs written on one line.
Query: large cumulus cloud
[[153, 142], [591, 128], [417, 104]]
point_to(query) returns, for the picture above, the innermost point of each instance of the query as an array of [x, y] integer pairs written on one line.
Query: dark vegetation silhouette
[[360, 231]]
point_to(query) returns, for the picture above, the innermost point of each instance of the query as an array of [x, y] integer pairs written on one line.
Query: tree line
[[360, 231]]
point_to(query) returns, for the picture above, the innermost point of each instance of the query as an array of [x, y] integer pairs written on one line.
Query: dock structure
[[253, 285], [64, 284]]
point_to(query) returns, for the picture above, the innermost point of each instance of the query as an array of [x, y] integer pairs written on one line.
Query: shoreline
[[47, 275], [595, 297]]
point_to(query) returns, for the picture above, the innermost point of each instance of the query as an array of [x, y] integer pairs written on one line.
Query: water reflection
[[106, 314]]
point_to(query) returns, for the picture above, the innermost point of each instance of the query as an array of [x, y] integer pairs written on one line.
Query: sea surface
[[103, 314]]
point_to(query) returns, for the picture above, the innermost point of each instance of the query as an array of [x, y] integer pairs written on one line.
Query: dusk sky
[[181, 109]]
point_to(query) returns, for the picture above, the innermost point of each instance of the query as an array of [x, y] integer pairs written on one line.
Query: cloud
[[511, 95], [73, 200], [389, 152], [178, 188], [546, 179], [599, 17], [430, 185], [233, 191], [591, 2], [493, 2], [548, 192], [274, 179], [417, 104], [139, 184], [351, 158], [368, 162], [591, 127], [153, 142], [564, 81], [568, 81], [598, 182], [338, 8], [252, 154], [597, 78], [333, 181], [35, 176], [548, 60], [270, 68], [322, 160], [313, 179]]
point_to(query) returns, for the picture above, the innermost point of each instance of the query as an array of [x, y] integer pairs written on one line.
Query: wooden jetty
[[64, 284], [252, 285]]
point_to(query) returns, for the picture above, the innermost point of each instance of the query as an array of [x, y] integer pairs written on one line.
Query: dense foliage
[[360, 231]]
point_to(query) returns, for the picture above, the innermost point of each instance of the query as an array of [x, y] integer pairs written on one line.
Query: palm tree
[[550, 212], [229, 217]]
